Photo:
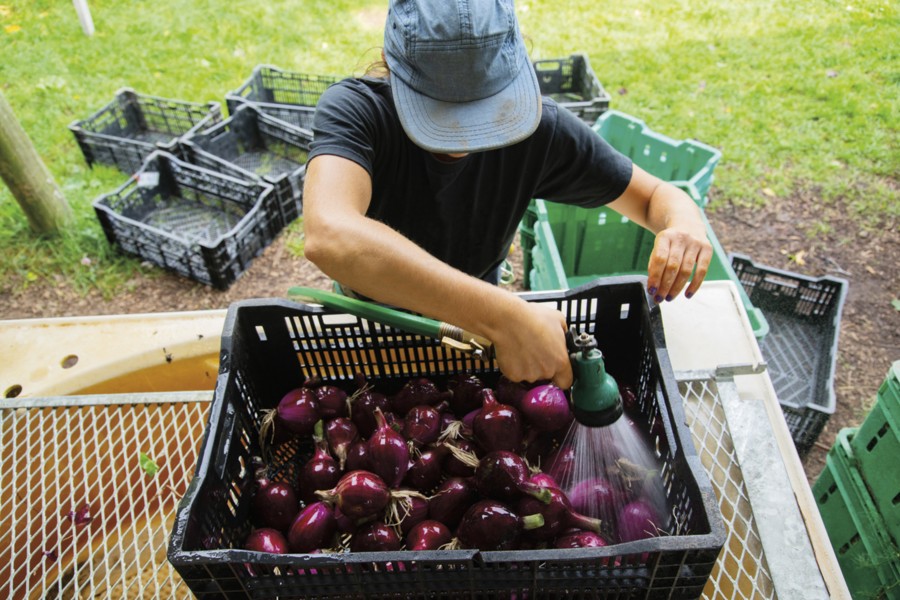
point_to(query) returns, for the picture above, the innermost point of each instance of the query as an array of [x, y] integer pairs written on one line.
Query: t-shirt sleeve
[[343, 124], [581, 168]]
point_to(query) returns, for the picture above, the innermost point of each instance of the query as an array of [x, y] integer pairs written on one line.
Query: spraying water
[[608, 470]]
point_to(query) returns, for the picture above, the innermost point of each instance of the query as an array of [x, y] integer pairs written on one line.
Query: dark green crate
[[572, 83], [868, 556], [876, 450]]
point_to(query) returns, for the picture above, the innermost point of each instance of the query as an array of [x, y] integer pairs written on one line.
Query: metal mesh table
[[61, 454]]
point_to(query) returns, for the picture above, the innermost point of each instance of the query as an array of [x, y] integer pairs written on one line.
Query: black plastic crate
[[804, 317], [201, 224], [271, 346], [573, 84], [252, 144], [283, 94], [131, 127]]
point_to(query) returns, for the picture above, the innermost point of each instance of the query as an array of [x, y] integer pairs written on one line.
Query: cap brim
[[503, 119]]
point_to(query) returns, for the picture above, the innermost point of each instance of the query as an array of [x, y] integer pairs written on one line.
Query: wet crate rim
[[203, 565]]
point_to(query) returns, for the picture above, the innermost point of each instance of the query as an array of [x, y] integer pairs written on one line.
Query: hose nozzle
[[596, 401]]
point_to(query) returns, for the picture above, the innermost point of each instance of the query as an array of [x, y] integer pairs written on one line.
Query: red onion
[[313, 528], [497, 426], [358, 494], [629, 398], [341, 432], [410, 511], [332, 401], [267, 539], [375, 537], [465, 392], [299, 410], [546, 408], [275, 504], [560, 464], [362, 409], [357, 457], [454, 466], [558, 516], [422, 425], [597, 497], [580, 539], [388, 452], [637, 520], [428, 535], [425, 472], [510, 392], [491, 525], [451, 500], [504, 476], [413, 393], [321, 472]]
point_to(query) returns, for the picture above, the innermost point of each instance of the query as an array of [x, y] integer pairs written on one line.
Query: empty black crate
[[201, 224], [272, 346], [283, 94], [572, 83], [127, 130], [804, 317], [252, 144]]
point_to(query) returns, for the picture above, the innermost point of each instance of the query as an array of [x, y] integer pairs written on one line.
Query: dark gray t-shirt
[[464, 212]]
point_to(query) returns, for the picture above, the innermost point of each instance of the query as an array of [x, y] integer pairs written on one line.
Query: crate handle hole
[[624, 310], [261, 333], [896, 499], [12, 391], [69, 361]]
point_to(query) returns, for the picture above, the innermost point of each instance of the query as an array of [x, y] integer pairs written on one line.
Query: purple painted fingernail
[[652, 291], [669, 298], [689, 295], [658, 299]]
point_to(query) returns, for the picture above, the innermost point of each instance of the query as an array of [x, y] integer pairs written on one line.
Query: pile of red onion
[[430, 468]]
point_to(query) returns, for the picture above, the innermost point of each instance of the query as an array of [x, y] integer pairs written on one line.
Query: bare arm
[[681, 246], [379, 262]]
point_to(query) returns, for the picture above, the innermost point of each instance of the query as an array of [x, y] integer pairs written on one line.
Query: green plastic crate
[[876, 450], [567, 246], [869, 558]]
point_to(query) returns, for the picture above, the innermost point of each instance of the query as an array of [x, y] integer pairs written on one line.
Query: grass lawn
[[797, 95]]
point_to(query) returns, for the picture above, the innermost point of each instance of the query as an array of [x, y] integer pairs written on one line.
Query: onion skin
[[312, 529], [267, 539], [558, 516], [510, 392], [428, 535], [364, 403], [465, 392], [425, 473], [357, 457], [546, 408], [299, 410], [497, 426], [597, 497], [561, 463], [422, 425], [416, 511]]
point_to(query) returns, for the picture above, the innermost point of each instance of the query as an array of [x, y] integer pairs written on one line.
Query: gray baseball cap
[[460, 75]]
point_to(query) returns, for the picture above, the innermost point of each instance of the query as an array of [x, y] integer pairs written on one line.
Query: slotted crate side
[[869, 558], [252, 144], [200, 224], [573, 84], [804, 316], [283, 94], [132, 126], [271, 346], [876, 448]]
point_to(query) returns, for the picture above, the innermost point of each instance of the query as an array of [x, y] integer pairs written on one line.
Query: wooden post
[[28, 178]]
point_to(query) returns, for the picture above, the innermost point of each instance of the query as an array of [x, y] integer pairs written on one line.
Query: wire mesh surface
[[85, 452], [741, 570], [82, 518]]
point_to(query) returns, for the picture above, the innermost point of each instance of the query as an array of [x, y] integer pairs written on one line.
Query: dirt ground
[[869, 335]]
